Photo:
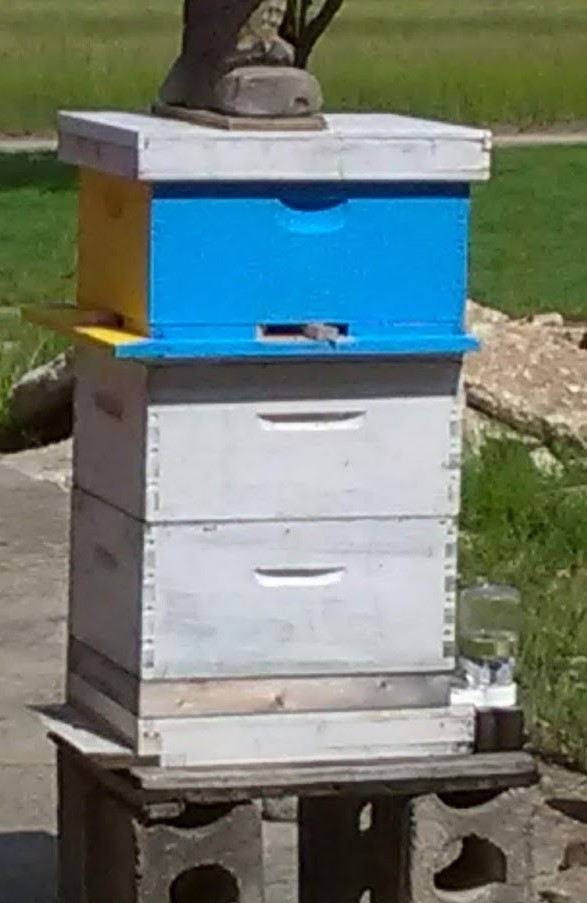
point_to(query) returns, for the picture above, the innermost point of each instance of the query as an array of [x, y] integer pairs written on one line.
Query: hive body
[[264, 517]]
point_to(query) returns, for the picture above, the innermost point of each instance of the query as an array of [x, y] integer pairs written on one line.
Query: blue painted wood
[[387, 263], [407, 345]]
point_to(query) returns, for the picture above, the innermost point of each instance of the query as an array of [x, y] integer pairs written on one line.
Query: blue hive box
[[199, 243]]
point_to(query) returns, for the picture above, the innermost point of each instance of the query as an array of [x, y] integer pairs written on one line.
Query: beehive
[[267, 441]]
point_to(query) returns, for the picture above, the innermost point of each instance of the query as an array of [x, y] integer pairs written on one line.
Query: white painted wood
[[369, 147], [327, 737], [285, 738], [85, 697], [106, 573], [81, 731], [263, 599], [246, 695], [287, 441]]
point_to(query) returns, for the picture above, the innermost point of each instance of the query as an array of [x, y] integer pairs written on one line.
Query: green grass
[[37, 229], [508, 61], [529, 223], [529, 529], [37, 260]]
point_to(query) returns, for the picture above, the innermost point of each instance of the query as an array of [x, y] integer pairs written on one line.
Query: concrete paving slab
[[51, 463], [33, 545], [34, 512]]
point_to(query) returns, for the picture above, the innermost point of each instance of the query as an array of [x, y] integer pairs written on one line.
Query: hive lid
[[369, 147]]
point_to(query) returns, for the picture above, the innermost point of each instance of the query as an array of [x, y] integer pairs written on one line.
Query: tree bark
[[304, 32]]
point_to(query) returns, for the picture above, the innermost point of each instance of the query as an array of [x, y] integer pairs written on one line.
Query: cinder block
[[211, 853], [559, 838], [282, 809], [112, 851], [479, 843], [567, 887]]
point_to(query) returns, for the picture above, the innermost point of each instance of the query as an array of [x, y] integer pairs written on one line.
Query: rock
[[528, 376], [478, 314], [41, 401], [284, 809], [545, 461], [547, 319], [277, 91], [478, 427], [568, 887], [234, 61]]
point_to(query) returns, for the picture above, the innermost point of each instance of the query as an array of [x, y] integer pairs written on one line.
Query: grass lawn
[[529, 225], [508, 61], [529, 529], [528, 228]]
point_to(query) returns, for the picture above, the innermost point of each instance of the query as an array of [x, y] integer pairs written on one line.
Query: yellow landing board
[[87, 327]]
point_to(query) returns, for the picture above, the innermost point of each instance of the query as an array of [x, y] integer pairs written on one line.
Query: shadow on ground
[[41, 171], [28, 866]]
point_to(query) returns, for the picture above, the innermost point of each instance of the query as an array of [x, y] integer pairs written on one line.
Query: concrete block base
[[475, 843], [112, 851]]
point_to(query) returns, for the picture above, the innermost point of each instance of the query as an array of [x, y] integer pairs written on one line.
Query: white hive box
[[266, 550], [205, 600], [270, 441]]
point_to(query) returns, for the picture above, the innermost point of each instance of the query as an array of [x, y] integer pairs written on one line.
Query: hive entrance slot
[[302, 332]]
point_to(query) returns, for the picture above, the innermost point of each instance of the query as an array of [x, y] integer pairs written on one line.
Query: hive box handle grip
[[312, 421], [299, 576], [311, 215]]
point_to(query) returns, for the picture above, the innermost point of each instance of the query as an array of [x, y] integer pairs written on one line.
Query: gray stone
[[546, 462], [547, 319], [568, 887], [528, 376], [475, 846], [222, 36], [266, 91], [41, 401], [479, 428]]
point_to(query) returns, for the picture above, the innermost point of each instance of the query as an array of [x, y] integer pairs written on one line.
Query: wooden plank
[[86, 735], [418, 776], [98, 671], [106, 578], [190, 698], [87, 698], [365, 147], [307, 736], [112, 263], [290, 694], [339, 855], [207, 784]]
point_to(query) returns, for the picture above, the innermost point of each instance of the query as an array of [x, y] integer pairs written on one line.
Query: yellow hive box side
[[113, 247]]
